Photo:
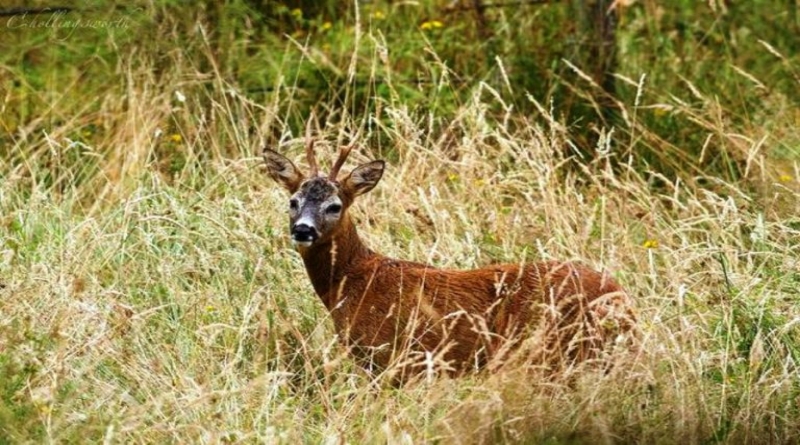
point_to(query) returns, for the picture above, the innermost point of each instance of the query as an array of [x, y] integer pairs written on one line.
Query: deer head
[[319, 204]]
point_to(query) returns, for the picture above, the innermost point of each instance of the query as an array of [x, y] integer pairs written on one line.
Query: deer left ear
[[281, 169], [363, 178]]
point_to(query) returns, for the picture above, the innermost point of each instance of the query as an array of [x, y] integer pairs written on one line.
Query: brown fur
[[399, 312]]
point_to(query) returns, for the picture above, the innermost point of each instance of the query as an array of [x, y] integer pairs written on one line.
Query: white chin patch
[[298, 244]]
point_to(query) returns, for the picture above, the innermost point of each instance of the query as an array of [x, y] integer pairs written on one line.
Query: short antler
[[343, 153], [312, 160]]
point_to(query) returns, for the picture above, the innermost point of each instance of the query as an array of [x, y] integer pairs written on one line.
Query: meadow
[[149, 292]]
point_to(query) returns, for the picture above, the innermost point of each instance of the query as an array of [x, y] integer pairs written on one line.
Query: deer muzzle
[[304, 235]]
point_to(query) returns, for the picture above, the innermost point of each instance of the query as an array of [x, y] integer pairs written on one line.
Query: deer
[[414, 317]]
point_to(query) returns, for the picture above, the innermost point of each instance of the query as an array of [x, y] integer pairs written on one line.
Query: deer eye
[[293, 204], [333, 209]]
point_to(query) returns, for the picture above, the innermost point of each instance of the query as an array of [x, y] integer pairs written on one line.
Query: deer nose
[[303, 233]]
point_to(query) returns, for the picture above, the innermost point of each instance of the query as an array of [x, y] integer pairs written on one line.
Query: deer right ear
[[281, 169], [364, 178]]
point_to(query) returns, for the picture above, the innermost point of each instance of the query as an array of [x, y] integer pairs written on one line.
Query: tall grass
[[148, 292]]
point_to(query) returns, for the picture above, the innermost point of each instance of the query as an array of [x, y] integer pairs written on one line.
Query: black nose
[[304, 233]]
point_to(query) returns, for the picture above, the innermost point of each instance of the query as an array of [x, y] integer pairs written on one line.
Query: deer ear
[[363, 178], [281, 169]]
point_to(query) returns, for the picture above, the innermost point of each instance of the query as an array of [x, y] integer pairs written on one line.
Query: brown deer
[[418, 317]]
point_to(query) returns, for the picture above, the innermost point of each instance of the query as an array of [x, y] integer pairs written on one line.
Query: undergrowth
[[148, 291]]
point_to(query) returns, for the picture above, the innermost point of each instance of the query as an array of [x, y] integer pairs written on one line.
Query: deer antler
[[343, 153], [312, 160]]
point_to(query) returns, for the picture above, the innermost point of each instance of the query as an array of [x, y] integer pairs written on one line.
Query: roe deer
[[388, 310]]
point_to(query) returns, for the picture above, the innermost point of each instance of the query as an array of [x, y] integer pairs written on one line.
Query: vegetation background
[[148, 292]]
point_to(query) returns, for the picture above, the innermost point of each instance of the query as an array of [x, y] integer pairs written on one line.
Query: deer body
[[389, 310]]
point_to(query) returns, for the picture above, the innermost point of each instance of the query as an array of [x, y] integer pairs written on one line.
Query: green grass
[[148, 292]]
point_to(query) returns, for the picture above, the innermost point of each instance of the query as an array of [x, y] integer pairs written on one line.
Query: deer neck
[[327, 262]]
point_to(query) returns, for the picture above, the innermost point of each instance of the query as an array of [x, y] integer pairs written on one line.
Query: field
[[149, 292]]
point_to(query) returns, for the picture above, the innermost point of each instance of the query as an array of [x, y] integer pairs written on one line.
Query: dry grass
[[179, 312], [143, 302]]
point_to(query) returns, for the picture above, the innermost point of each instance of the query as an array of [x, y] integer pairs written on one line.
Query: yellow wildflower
[[431, 24], [378, 15], [326, 26], [176, 137], [785, 178], [650, 244], [660, 111]]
